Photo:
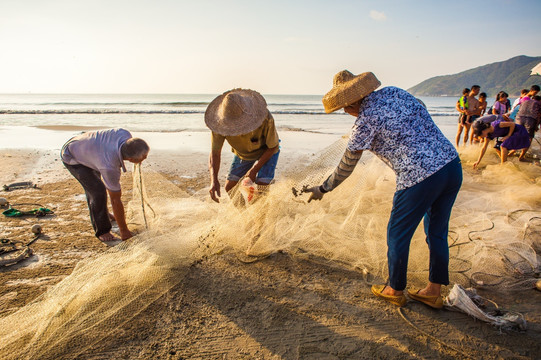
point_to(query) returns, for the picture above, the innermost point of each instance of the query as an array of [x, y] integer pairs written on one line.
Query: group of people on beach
[[390, 122], [512, 125]]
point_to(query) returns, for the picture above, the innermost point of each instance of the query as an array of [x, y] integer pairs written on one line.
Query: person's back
[[529, 115], [401, 129], [95, 159], [98, 150], [531, 108], [252, 145]]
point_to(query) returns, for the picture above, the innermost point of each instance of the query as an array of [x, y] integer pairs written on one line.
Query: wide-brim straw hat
[[236, 112], [348, 89]]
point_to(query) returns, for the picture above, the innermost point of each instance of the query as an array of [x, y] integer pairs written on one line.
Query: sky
[[272, 46]]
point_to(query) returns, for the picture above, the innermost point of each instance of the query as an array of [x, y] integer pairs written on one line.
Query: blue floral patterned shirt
[[398, 129]]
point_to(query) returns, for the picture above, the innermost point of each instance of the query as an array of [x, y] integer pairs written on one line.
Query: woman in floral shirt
[[393, 125]]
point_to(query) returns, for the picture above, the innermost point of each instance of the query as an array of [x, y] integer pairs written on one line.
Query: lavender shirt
[[98, 150]]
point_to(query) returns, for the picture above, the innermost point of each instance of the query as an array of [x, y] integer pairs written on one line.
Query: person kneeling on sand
[[95, 159], [393, 125], [241, 117]]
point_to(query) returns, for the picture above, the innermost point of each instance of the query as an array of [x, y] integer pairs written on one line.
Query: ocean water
[[180, 112]]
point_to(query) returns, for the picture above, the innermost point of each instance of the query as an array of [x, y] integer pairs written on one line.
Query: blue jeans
[[240, 167], [433, 199]]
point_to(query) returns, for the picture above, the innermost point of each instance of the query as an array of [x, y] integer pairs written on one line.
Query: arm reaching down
[[482, 153], [214, 168], [120, 216]]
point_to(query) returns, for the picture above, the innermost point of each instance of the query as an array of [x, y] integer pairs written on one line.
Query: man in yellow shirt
[[241, 117]]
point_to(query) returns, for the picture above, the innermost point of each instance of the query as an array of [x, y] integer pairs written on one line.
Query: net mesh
[[494, 242]]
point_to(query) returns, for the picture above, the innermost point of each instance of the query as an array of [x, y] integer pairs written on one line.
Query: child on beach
[[483, 103], [533, 92], [462, 108], [501, 105], [523, 93]]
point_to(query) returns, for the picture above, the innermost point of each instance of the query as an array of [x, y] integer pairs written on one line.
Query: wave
[[93, 112], [173, 103], [118, 111], [443, 114], [434, 112], [302, 112]]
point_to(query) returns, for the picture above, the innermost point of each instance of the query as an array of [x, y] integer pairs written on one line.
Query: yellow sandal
[[399, 300]]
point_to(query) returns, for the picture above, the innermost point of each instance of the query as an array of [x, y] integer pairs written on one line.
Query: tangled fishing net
[[494, 243]]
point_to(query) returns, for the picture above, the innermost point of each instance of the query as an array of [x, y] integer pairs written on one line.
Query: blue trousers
[[433, 199]]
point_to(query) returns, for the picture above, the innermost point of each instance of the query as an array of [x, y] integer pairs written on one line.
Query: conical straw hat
[[348, 89], [236, 112]]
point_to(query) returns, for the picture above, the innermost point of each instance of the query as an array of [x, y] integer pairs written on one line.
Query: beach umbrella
[[536, 70]]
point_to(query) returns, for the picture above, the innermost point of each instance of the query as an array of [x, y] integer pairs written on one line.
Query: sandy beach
[[353, 122], [290, 305]]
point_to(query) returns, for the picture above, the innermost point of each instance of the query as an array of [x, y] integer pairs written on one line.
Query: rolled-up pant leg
[[96, 196], [409, 207]]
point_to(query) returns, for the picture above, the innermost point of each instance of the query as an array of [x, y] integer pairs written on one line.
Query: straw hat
[[236, 112], [348, 89]]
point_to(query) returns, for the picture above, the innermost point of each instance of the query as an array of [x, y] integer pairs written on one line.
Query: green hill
[[510, 76]]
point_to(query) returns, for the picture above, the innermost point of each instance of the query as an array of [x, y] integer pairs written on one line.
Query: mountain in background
[[510, 76]]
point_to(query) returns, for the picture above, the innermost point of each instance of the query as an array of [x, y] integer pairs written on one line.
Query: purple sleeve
[[111, 179]]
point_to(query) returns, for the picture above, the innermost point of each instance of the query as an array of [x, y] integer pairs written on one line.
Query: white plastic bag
[[248, 190]]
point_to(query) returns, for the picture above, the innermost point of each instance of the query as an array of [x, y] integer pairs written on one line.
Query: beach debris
[[3, 201], [20, 185], [15, 256], [36, 229], [14, 251], [467, 301], [37, 212]]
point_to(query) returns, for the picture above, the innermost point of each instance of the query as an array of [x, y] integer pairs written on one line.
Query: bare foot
[[390, 291], [431, 290], [107, 237]]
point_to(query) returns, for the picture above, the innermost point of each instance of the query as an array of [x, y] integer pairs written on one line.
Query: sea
[[21, 115]]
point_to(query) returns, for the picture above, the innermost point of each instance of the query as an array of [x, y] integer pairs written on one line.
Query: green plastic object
[[12, 212]]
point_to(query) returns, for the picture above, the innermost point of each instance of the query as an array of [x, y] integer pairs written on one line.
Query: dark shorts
[[240, 167], [462, 119], [472, 118]]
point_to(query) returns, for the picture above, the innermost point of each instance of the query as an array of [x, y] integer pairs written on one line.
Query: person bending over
[[514, 137], [95, 159], [241, 117], [393, 125]]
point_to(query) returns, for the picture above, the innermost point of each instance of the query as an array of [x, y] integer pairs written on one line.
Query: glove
[[317, 194]]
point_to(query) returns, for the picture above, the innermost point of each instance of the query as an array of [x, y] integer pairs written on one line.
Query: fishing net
[[494, 242]]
